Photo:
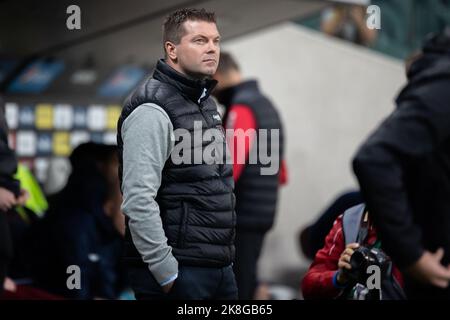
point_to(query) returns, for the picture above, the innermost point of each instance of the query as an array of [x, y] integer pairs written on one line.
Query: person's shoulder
[[148, 110], [146, 113]]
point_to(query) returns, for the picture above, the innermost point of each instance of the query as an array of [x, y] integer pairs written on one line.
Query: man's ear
[[171, 50]]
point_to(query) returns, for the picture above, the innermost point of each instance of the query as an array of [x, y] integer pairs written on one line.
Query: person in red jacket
[[326, 278]]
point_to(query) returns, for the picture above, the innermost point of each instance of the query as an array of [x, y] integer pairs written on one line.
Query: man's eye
[[199, 41]]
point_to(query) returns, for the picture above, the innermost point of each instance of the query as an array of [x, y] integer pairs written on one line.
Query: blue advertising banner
[[123, 80], [36, 77], [6, 66]]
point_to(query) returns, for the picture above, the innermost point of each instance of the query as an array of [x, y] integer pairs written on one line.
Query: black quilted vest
[[196, 199], [256, 193]]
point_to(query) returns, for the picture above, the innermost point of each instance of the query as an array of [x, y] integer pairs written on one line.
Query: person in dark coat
[[80, 230], [403, 170], [10, 194]]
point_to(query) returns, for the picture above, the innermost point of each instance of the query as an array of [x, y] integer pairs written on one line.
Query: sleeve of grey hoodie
[[148, 140]]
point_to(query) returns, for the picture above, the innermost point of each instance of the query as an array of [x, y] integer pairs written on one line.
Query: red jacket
[[318, 281], [241, 117]]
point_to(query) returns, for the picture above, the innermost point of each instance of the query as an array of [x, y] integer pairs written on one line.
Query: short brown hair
[[173, 29], [226, 63]]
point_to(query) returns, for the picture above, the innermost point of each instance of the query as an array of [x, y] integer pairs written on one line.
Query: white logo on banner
[[63, 116], [110, 138], [12, 114], [96, 117], [83, 77], [26, 144], [78, 137]]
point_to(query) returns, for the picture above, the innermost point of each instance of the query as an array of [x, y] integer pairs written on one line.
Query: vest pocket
[[183, 225]]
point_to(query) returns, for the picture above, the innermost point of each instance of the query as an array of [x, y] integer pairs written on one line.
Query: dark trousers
[[416, 291], [6, 250], [248, 249], [193, 283]]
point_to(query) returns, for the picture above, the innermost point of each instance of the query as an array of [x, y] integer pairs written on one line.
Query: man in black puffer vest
[[248, 110], [177, 184]]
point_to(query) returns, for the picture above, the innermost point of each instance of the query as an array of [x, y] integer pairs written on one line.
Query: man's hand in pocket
[[166, 288]]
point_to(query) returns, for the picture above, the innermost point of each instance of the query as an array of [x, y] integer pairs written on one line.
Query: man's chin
[[209, 71], [204, 73]]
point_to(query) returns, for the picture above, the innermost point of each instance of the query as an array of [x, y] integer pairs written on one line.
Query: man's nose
[[212, 47]]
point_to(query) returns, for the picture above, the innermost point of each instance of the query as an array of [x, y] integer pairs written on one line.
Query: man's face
[[198, 51]]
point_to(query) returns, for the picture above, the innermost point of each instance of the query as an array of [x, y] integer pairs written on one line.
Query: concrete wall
[[331, 95]]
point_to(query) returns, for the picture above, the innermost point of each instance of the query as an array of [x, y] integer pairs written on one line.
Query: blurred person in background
[[348, 22], [84, 227], [10, 196], [247, 108], [403, 169]]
